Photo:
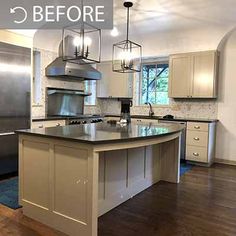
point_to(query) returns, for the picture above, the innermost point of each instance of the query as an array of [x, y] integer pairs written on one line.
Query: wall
[[170, 42], [16, 39], [226, 132]]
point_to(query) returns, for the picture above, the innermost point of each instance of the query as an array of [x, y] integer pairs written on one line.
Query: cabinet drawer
[[197, 126], [198, 154], [197, 138]]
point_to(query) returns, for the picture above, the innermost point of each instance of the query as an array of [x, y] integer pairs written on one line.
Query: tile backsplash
[[180, 108]]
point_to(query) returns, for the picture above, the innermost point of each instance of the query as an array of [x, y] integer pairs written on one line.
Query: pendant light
[[81, 43], [127, 55]]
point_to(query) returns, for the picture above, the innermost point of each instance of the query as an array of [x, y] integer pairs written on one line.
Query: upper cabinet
[[112, 84], [193, 75]]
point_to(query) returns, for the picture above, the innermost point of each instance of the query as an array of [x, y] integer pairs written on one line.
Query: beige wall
[[226, 133], [16, 39], [170, 42]]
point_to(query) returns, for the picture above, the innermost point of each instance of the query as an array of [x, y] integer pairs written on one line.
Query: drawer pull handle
[[197, 127], [58, 124], [40, 126], [196, 154], [197, 139]]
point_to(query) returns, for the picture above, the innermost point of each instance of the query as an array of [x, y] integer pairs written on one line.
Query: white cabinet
[[113, 84], [193, 75], [47, 123], [200, 141]]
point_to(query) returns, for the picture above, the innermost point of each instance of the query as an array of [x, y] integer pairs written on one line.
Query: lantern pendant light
[[127, 55], [81, 43]]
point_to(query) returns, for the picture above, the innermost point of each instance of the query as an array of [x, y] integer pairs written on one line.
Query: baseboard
[[227, 162]]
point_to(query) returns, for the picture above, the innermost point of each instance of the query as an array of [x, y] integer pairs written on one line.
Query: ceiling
[[162, 15], [165, 15], [186, 20]]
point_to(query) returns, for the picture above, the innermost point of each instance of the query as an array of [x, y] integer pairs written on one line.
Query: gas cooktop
[[84, 119]]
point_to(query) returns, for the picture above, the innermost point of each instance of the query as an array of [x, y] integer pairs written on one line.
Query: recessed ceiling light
[[114, 32]]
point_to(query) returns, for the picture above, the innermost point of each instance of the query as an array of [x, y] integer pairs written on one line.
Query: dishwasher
[[183, 137]]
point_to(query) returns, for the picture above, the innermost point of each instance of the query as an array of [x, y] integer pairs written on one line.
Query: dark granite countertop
[[105, 133], [181, 119]]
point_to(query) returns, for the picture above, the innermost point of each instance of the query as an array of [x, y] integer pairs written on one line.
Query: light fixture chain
[[128, 14]]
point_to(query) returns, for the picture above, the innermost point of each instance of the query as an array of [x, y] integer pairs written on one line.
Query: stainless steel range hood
[[65, 69]]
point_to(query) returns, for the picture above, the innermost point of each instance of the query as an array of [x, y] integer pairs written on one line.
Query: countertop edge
[[200, 120], [22, 132], [181, 119]]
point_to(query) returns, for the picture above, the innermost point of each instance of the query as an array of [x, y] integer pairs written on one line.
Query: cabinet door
[[112, 84], [180, 76], [204, 74]]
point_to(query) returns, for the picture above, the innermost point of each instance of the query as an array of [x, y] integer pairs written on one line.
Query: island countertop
[[105, 133]]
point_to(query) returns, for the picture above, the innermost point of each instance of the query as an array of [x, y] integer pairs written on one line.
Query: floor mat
[[9, 193], [184, 167]]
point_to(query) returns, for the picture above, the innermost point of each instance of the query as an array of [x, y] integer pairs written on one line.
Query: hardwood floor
[[13, 223], [203, 204]]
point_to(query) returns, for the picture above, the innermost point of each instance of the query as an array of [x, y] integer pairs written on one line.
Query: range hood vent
[[68, 70]]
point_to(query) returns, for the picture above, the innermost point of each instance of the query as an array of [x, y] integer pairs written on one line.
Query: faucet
[[151, 112]]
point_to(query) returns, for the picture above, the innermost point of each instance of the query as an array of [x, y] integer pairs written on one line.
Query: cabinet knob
[[197, 139], [196, 127], [196, 154]]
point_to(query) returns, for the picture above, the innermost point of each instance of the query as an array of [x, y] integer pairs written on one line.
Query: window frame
[[155, 61]]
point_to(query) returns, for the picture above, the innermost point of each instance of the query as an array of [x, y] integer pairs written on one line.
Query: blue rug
[[184, 167], [9, 193]]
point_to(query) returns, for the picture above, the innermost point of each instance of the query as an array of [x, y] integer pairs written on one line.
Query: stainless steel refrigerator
[[15, 86]]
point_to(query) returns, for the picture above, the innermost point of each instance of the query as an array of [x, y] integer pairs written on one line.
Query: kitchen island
[[71, 175]]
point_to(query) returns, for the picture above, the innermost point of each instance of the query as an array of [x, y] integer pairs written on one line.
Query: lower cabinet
[[201, 142], [47, 123]]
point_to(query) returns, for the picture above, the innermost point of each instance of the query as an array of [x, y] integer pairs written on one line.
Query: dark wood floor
[[204, 203]]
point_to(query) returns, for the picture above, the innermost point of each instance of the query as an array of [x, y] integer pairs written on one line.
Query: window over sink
[[154, 83]]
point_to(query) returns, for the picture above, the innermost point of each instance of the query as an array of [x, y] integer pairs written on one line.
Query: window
[[154, 83], [90, 87]]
